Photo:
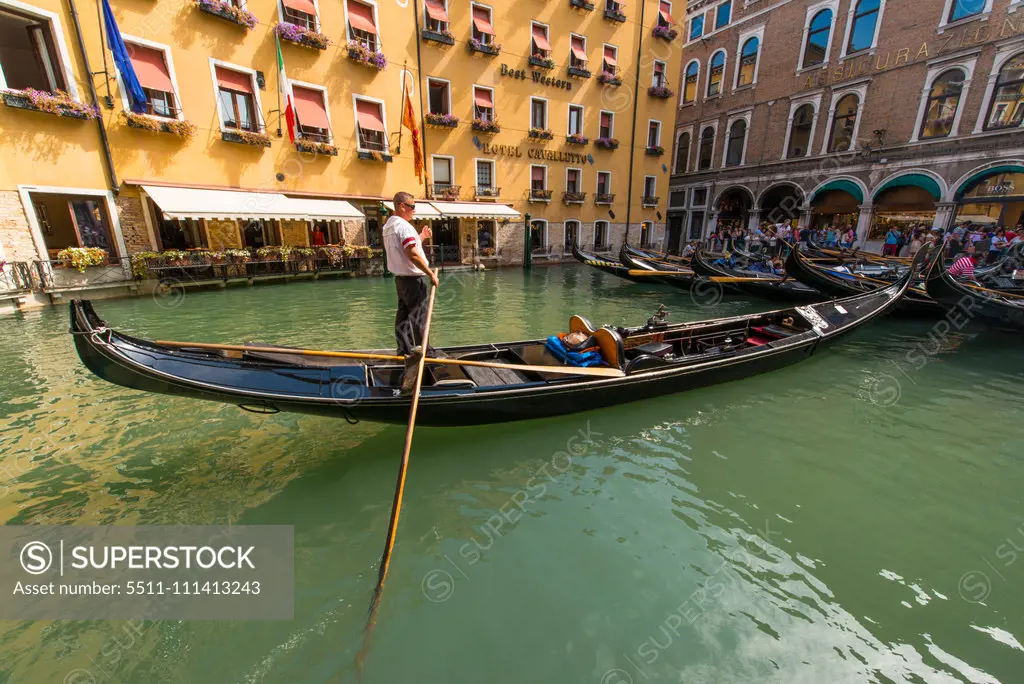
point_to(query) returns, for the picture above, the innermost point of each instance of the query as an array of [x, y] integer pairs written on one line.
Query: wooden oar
[[396, 506], [565, 370], [640, 272], [737, 279]]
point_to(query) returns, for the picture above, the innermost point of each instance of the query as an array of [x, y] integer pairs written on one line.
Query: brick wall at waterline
[[133, 223], [15, 235]]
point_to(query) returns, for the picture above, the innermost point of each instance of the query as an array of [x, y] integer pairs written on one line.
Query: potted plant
[[300, 35], [59, 103], [541, 134], [665, 32], [316, 147], [486, 48], [660, 91], [442, 120], [486, 125], [576, 139], [185, 130], [225, 10], [607, 143], [609, 79], [359, 53]]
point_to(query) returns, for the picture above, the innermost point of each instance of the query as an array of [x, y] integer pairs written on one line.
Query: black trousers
[[412, 312]]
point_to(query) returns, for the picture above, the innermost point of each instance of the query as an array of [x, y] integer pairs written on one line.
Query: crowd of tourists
[[774, 238]]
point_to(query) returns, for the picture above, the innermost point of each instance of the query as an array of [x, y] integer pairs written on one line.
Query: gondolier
[[406, 259]]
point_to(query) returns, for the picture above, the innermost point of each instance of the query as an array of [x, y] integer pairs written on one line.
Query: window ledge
[[805, 70], [868, 52], [982, 16], [367, 155], [245, 138], [749, 86], [709, 98], [60, 104], [688, 104], [317, 148]]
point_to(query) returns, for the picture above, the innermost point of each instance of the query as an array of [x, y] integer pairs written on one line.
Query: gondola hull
[[991, 308], [768, 287], [681, 277], [609, 266], [702, 353]]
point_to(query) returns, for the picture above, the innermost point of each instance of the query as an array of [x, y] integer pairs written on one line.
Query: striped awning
[[424, 210], [195, 203], [480, 210]]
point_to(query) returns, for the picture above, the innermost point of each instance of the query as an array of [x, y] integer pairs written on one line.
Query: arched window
[[716, 67], [962, 9], [865, 17], [1007, 107], [690, 84], [682, 152], [818, 32], [707, 148], [600, 236], [734, 146], [572, 233], [800, 132], [748, 63], [943, 100], [843, 122]]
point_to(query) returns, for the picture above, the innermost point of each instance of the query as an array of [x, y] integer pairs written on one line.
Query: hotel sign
[[537, 77], [515, 152]]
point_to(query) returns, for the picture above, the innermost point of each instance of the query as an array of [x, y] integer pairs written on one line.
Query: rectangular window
[[442, 171], [436, 18], [483, 27], [696, 27], [484, 174], [600, 234], [237, 104], [723, 15], [572, 180], [607, 125], [653, 134], [483, 103], [700, 197], [540, 47], [362, 25], [311, 114], [650, 186], [155, 78], [300, 13], [611, 59], [28, 55], [370, 126], [604, 182], [658, 78], [578, 52], [538, 113], [575, 120], [538, 178], [696, 225], [665, 14], [438, 96]]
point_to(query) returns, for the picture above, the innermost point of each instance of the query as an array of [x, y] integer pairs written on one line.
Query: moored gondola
[[965, 301], [769, 286], [649, 361], [616, 268], [675, 275]]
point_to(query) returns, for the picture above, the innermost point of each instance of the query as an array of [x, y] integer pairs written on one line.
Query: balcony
[[542, 62], [579, 70], [445, 191], [665, 32], [582, 4], [649, 201], [574, 197], [443, 36], [537, 195], [604, 198], [654, 151], [661, 91], [486, 192]]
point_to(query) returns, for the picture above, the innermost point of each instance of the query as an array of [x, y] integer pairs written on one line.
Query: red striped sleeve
[[406, 241]]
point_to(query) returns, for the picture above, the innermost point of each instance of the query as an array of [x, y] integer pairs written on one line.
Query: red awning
[[234, 80], [150, 68], [666, 14], [369, 115], [436, 10], [539, 39], [483, 98], [482, 20], [360, 16], [305, 6], [538, 173], [309, 106], [577, 49], [609, 55]]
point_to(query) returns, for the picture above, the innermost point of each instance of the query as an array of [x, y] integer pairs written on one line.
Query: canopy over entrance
[[847, 186], [194, 203], [913, 180]]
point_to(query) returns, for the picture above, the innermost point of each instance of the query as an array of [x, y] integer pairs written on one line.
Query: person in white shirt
[[404, 249]]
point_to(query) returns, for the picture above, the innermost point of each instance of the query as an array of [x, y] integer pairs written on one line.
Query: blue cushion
[[557, 348]]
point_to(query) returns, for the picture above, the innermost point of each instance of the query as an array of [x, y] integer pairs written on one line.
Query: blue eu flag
[[136, 96]]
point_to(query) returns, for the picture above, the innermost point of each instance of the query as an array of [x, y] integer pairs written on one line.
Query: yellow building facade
[[511, 100]]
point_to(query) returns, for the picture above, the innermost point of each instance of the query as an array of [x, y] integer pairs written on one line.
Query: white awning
[[325, 210], [479, 210], [194, 203], [424, 210]]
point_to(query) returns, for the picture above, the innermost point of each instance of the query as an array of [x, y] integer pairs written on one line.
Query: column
[[712, 225], [867, 212], [805, 219], [944, 213], [754, 222]]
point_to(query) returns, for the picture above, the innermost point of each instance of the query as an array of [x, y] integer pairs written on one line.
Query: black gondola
[[657, 359], [616, 268], [769, 286], [916, 302], [675, 275], [993, 308]]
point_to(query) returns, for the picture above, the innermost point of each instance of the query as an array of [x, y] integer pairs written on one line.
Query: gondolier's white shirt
[[399, 233]]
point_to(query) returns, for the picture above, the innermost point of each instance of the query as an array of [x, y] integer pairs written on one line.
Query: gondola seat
[[758, 340], [613, 351]]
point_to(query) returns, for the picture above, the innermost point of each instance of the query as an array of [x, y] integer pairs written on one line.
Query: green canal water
[[854, 518]]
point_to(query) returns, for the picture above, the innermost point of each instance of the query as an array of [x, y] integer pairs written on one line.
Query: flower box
[[253, 138], [59, 103], [225, 10], [83, 257], [649, 202], [579, 72], [475, 45], [574, 197], [615, 15], [442, 120], [604, 198], [374, 156], [607, 143], [655, 151], [540, 195], [576, 140], [609, 79], [182, 129], [664, 32], [660, 91], [542, 62], [541, 134], [482, 126], [362, 55], [315, 147], [444, 37], [582, 4], [442, 191], [300, 35], [489, 191]]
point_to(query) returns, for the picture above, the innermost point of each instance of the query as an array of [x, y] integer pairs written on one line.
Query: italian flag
[[286, 93]]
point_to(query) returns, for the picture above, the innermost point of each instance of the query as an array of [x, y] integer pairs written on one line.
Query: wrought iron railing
[[486, 191], [440, 255], [445, 191], [16, 276], [60, 275]]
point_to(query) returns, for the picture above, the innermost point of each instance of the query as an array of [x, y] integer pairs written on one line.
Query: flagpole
[[398, 149], [419, 70], [106, 74], [280, 112]]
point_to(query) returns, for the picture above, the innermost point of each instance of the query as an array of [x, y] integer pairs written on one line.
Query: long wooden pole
[[396, 506], [564, 370]]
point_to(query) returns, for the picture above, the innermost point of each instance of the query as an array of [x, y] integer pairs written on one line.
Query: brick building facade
[[865, 113]]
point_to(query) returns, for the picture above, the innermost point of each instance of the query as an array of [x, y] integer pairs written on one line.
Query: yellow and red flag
[[409, 121]]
